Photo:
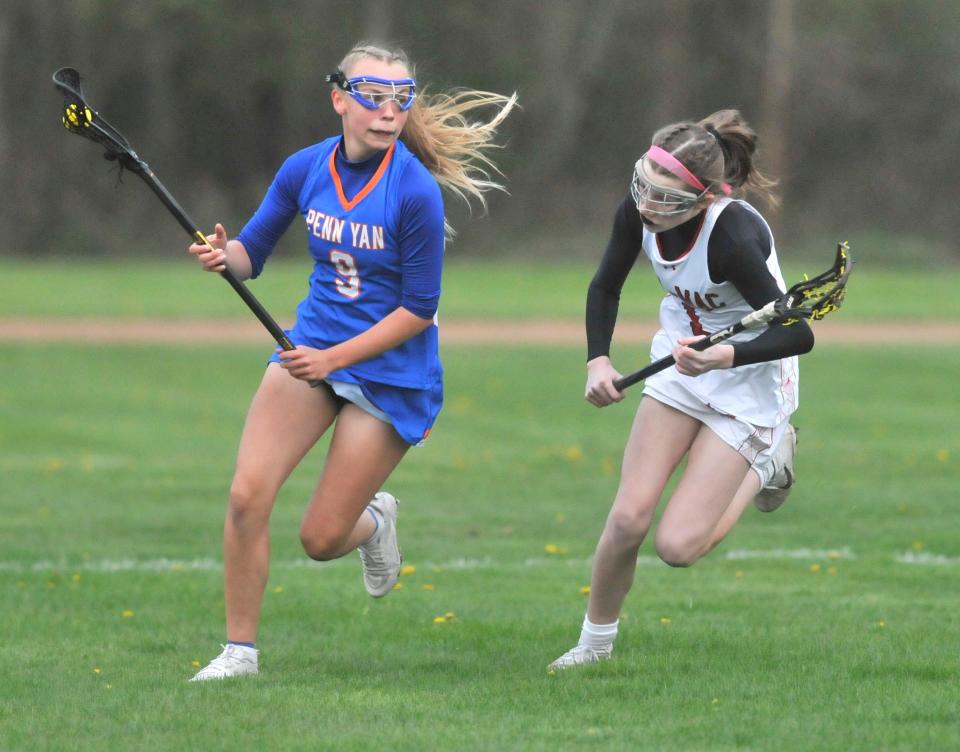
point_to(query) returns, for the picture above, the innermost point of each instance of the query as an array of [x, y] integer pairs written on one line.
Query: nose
[[390, 109]]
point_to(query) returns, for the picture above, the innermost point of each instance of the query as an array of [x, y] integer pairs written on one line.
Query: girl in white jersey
[[365, 363], [726, 409]]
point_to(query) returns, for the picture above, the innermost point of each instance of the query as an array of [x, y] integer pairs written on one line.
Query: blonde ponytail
[[441, 133]]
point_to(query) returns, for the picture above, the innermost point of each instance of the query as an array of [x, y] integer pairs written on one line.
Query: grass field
[[472, 289], [833, 624]]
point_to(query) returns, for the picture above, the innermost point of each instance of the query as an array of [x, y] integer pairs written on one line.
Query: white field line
[[925, 558], [460, 564]]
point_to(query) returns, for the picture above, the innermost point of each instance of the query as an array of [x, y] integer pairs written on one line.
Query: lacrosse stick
[[810, 299], [83, 120]]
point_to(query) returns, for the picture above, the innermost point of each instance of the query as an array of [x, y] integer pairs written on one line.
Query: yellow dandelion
[[53, 465], [126, 614], [109, 686], [439, 619], [881, 624], [462, 406], [943, 455], [815, 568], [76, 578], [738, 574], [427, 586], [398, 586], [179, 567], [607, 466], [585, 590], [278, 589], [832, 571], [573, 454], [834, 555], [450, 615], [917, 546], [551, 548], [97, 670], [666, 620], [408, 569], [195, 663]]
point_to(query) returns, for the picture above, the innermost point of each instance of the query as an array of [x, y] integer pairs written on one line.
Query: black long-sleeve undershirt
[[737, 252]]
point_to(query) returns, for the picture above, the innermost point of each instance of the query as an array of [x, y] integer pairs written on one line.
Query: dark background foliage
[[854, 103]]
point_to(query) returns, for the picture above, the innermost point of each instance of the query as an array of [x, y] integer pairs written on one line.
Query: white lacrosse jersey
[[765, 394]]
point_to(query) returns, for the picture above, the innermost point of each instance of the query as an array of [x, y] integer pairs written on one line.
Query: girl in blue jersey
[[366, 357], [724, 410]]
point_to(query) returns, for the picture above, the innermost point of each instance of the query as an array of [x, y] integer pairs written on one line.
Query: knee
[[249, 503], [627, 527], [677, 550], [322, 544]]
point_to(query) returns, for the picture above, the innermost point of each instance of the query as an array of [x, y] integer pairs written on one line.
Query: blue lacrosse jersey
[[375, 232]]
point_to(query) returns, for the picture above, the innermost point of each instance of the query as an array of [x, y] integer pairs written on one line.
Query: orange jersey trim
[[371, 184]]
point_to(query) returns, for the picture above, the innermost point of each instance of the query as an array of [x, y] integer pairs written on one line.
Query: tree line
[[854, 104]]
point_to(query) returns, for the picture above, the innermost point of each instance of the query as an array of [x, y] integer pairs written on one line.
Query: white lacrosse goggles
[[654, 198]]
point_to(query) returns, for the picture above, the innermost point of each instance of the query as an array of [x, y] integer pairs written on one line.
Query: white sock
[[598, 636]]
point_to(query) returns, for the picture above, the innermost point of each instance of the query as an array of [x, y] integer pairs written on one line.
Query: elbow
[[806, 342], [423, 318], [423, 308]]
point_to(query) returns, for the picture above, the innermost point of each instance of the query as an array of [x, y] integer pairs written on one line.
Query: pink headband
[[670, 163]]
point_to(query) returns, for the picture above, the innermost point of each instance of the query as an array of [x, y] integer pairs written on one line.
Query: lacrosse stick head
[[80, 118], [822, 295]]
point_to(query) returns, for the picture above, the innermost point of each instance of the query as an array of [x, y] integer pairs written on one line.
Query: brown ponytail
[[719, 149]]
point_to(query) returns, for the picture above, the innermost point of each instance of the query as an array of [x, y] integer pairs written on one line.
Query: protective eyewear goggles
[[653, 198], [373, 93]]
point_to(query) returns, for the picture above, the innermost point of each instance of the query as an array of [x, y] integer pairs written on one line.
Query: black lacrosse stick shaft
[[83, 120], [242, 290], [780, 310], [658, 365]]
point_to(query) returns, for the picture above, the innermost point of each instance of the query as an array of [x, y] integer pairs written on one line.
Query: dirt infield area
[[453, 332]]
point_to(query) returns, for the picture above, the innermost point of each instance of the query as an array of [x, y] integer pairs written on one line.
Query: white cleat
[[381, 557], [235, 660], [581, 655], [772, 495]]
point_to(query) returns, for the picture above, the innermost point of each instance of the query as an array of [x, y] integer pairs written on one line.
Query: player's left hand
[[306, 363], [692, 362]]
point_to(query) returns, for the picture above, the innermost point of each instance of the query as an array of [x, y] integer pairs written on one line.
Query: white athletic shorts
[[353, 393], [754, 443]]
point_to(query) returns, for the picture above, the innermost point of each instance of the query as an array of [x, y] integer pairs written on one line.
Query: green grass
[[115, 463], [472, 289]]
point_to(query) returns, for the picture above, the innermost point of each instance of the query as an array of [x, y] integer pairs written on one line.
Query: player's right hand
[[212, 259], [600, 377]]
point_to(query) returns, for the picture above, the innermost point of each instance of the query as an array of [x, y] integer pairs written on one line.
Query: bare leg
[[744, 497], [363, 453], [715, 478], [286, 418], [659, 438]]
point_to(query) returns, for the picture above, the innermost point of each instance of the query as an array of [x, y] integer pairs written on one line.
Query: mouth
[[382, 134]]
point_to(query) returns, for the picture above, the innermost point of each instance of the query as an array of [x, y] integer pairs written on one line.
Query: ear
[[339, 103]]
